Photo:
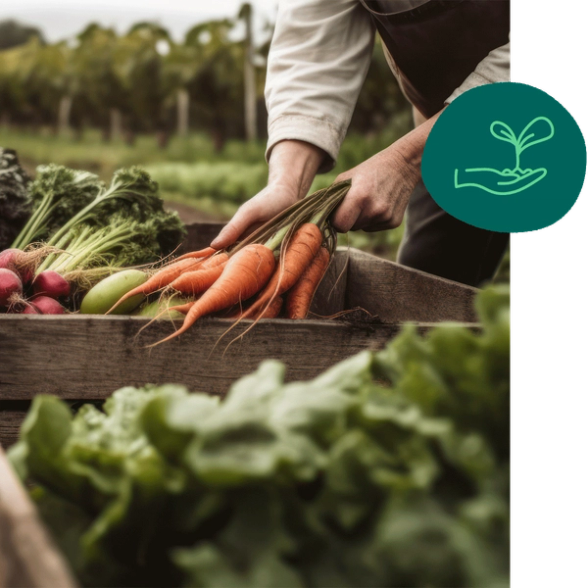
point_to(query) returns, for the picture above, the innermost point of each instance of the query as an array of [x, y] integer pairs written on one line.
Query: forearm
[[408, 150], [318, 60], [294, 164]]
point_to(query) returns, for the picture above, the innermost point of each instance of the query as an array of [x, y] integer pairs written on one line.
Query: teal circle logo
[[505, 157]]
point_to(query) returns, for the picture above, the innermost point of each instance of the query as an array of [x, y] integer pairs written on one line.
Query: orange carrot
[[300, 296], [271, 311], [300, 252], [161, 279], [213, 261], [165, 276], [245, 274], [234, 312], [207, 252], [197, 281], [182, 308]]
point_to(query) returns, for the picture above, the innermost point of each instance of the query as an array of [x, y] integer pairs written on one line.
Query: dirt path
[[190, 215]]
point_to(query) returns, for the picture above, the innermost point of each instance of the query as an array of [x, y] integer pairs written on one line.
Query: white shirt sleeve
[[493, 68], [318, 60]]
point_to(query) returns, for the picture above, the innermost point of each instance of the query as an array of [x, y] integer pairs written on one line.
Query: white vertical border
[[514, 401]]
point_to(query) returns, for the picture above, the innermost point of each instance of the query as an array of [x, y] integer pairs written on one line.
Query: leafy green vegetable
[[58, 194], [390, 469], [15, 203], [120, 225]]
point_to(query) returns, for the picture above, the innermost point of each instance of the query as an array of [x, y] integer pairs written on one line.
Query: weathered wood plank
[[397, 293], [28, 558], [12, 415], [82, 357]]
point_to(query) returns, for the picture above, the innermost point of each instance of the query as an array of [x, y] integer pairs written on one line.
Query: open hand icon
[[509, 181]]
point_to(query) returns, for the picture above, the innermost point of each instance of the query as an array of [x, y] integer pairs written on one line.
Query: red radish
[[8, 258], [51, 284], [31, 309], [19, 262], [10, 286], [47, 305]]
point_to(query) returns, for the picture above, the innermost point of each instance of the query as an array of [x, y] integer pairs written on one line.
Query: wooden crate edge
[[28, 556]]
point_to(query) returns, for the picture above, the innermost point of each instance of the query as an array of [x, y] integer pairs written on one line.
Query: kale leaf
[[15, 204]]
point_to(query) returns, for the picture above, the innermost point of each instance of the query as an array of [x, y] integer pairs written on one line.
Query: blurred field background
[[187, 106]]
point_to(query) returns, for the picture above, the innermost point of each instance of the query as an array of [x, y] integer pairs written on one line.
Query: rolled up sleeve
[[318, 60], [493, 68]]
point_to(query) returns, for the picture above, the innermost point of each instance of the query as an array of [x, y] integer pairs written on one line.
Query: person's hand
[[379, 194], [381, 186], [292, 167]]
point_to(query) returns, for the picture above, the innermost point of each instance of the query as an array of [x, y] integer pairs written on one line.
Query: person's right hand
[[266, 204], [292, 167]]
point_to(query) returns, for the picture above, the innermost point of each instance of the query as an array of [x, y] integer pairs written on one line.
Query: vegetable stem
[[275, 242]]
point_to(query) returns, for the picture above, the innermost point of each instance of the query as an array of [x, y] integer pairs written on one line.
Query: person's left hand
[[379, 194], [381, 186]]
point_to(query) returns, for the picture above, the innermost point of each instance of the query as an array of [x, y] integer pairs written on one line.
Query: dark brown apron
[[437, 45], [433, 48]]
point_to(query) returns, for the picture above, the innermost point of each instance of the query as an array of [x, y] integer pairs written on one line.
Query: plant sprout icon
[[517, 179]]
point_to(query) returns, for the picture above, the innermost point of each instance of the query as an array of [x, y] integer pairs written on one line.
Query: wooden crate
[[86, 358], [28, 558]]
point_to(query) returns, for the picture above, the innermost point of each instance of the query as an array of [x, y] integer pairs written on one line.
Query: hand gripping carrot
[[300, 296], [245, 274]]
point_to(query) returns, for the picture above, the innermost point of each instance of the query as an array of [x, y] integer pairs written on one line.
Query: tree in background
[[216, 91], [180, 67], [97, 92], [33, 80], [144, 82], [246, 14], [138, 66], [13, 34]]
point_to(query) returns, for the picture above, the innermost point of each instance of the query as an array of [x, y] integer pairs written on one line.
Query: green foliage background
[[391, 469]]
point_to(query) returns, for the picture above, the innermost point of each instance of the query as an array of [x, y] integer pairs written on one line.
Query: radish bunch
[[23, 292]]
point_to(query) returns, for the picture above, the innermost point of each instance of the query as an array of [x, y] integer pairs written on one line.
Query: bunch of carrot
[[277, 268]]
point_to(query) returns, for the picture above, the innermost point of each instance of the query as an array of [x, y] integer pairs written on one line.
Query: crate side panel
[[397, 293], [89, 357], [10, 423]]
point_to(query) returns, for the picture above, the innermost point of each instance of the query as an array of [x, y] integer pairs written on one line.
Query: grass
[[93, 154]]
